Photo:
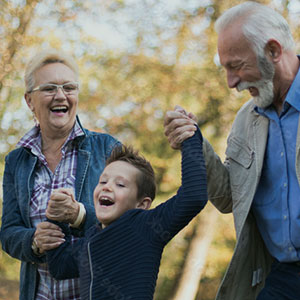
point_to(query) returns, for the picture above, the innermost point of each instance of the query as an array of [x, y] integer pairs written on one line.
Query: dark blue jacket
[[18, 180], [122, 260]]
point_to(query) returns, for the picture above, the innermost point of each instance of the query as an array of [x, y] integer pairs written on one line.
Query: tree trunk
[[195, 261]]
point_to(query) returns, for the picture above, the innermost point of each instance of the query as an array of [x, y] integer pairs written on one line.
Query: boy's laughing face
[[116, 192]]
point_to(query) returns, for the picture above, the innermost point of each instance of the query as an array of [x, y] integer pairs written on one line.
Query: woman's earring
[[36, 121]]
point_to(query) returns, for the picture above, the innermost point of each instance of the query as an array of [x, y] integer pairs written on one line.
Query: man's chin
[[262, 103]]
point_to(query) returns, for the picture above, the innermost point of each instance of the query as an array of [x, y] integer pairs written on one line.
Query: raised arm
[[170, 217], [178, 125]]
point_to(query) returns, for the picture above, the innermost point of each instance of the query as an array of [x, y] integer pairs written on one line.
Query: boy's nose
[[106, 187]]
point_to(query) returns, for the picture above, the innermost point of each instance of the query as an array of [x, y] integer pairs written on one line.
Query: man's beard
[[265, 85]]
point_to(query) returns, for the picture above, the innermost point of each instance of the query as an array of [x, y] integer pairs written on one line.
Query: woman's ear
[[145, 203], [27, 97]]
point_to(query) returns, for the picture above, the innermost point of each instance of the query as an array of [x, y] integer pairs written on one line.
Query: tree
[[169, 58]]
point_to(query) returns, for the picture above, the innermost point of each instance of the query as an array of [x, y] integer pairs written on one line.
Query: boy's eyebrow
[[117, 177], [123, 178]]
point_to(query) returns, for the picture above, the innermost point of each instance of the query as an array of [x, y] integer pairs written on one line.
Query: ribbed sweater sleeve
[[170, 217], [194, 187], [63, 261]]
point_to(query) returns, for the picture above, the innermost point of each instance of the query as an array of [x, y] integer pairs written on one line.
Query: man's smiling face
[[244, 69]]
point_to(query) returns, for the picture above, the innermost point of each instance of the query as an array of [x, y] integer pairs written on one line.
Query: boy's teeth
[[106, 201]]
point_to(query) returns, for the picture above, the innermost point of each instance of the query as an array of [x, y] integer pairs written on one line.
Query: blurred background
[[137, 59]]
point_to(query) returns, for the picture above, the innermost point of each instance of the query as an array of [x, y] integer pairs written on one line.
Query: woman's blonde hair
[[47, 57]]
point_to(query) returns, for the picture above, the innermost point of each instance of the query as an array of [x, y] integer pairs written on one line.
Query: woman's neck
[[51, 148]]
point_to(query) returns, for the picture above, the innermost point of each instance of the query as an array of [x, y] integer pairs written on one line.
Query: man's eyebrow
[[233, 63]]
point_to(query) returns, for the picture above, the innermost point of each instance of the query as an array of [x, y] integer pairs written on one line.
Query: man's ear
[[145, 203], [273, 50]]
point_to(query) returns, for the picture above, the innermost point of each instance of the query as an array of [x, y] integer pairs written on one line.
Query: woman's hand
[[47, 236], [62, 206]]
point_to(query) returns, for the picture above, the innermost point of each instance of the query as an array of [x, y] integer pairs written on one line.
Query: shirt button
[[285, 184], [284, 217], [290, 249], [281, 153]]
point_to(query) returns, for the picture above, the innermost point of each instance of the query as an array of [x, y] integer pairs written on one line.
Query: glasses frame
[[38, 88]]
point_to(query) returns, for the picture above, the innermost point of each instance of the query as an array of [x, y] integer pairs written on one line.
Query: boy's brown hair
[[146, 180]]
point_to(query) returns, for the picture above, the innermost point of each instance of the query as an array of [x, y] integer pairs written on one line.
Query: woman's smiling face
[[55, 113]]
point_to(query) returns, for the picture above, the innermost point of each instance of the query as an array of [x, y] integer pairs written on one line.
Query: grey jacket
[[231, 188]]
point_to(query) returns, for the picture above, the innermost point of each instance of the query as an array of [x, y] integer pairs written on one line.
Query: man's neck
[[287, 73]]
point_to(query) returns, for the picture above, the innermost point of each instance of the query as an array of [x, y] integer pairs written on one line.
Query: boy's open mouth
[[106, 202]]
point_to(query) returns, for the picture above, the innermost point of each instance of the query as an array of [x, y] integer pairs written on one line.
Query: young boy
[[119, 258]]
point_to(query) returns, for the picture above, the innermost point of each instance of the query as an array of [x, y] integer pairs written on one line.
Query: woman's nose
[[60, 93]]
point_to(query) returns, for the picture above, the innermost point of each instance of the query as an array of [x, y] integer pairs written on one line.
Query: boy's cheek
[[96, 193]]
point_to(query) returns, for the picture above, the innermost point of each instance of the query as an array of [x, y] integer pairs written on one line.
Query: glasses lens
[[49, 89], [70, 88]]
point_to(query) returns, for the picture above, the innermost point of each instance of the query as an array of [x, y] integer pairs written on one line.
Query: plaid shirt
[[44, 183]]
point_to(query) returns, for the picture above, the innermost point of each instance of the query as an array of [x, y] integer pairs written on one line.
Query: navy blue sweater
[[122, 260]]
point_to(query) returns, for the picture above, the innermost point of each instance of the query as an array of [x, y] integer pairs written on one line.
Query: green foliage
[[168, 59]]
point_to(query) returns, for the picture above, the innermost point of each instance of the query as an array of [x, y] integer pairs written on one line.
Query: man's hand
[[62, 206], [47, 236], [179, 125]]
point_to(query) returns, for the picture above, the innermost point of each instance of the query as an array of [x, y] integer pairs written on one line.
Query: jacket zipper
[[91, 271]]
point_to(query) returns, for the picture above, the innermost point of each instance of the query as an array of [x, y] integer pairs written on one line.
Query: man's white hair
[[260, 23]]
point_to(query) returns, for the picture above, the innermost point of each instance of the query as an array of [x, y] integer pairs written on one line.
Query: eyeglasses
[[51, 89]]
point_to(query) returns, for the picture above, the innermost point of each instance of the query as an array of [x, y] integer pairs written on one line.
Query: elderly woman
[[56, 153]]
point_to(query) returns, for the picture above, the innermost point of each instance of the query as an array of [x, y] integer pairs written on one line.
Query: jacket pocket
[[240, 157]]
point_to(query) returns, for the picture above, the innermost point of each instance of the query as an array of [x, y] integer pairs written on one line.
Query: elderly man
[[259, 180]]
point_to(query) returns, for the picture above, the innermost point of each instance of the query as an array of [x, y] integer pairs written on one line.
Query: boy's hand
[[179, 125], [62, 206]]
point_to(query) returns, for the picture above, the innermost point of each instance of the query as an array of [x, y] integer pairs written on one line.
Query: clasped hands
[[178, 126], [62, 207]]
